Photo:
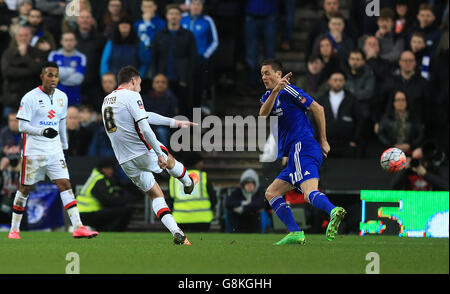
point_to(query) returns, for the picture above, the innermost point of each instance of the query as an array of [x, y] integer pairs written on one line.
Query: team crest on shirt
[[60, 102]]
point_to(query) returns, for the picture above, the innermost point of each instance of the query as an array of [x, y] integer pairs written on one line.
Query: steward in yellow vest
[[100, 203], [193, 212]]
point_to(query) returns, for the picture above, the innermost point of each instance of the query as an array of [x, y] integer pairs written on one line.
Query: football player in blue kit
[[296, 141]]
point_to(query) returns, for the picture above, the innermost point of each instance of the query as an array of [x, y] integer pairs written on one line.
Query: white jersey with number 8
[[121, 111]]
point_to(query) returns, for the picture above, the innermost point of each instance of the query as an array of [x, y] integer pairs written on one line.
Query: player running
[[138, 151], [42, 122], [296, 140]]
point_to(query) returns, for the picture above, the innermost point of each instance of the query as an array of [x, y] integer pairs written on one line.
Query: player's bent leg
[[163, 212], [177, 170], [70, 205], [320, 200]]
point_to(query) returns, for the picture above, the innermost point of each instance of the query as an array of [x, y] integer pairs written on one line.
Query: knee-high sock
[[179, 171], [19, 204], [70, 205], [162, 211], [320, 201], [284, 213]]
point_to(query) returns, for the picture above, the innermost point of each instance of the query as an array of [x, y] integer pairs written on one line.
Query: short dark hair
[[426, 6], [173, 6], [274, 63], [387, 12], [126, 74], [338, 72], [358, 51], [49, 64], [337, 14], [420, 35], [313, 57]]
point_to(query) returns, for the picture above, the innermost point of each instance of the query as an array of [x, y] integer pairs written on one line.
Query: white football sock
[[19, 204], [70, 204], [162, 211], [180, 172]]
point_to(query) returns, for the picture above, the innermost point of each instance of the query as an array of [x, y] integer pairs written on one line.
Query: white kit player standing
[[137, 149], [42, 122]]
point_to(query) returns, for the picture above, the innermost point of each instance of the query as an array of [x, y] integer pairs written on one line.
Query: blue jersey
[[205, 32], [72, 69], [290, 106]]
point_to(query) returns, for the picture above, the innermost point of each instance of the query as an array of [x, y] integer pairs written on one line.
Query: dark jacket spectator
[[398, 128], [426, 23], [314, 81], [90, 43], [9, 135], [329, 56], [320, 26], [184, 51], [380, 67], [360, 81], [21, 66], [174, 54], [343, 119], [42, 38], [245, 204], [412, 84], [342, 43], [79, 137]]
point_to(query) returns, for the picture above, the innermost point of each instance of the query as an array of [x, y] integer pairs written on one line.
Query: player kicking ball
[[138, 151], [296, 141], [42, 122]]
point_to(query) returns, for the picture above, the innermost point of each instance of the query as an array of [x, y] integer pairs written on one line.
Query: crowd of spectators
[[357, 65]]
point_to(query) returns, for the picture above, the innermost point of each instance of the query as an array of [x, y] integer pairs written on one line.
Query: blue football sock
[[284, 213], [320, 201]]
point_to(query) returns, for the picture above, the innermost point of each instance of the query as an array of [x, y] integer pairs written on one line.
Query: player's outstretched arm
[[319, 117], [160, 120]]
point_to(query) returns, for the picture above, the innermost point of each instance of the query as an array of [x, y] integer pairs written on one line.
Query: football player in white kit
[[41, 116], [138, 151]]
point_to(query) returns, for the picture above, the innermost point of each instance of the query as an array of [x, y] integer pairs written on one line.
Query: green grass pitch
[[215, 253]]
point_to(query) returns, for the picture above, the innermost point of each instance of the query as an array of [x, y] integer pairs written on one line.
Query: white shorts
[[140, 169], [35, 167]]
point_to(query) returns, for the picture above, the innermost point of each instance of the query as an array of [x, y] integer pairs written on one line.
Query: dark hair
[[105, 163], [173, 6], [420, 35], [337, 14], [390, 110], [126, 74], [387, 13], [333, 52], [338, 72], [132, 37], [359, 51], [426, 6], [313, 57], [274, 63], [49, 64]]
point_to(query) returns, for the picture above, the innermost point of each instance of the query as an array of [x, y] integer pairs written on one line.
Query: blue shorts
[[305, 158]]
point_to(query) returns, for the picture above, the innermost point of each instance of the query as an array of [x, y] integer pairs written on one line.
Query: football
[[392, 160]]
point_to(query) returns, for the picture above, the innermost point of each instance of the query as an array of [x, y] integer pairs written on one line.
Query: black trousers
[[112, 219]]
